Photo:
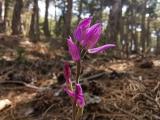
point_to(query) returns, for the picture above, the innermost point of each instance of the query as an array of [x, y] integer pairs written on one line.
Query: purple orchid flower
[[73, 49], [67, 73], [89, 36], [78, 95], [80, 31]]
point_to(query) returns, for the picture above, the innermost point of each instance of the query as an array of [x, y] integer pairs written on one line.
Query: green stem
[[78, 70], [74, 111]]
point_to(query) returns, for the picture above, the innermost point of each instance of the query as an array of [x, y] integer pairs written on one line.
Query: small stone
[[4, 104]]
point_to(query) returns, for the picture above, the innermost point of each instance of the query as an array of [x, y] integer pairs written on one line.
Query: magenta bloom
[[77, 95], [92, 35], [80, 31], [67, 73], [101, 48], [73, 49], [88, 36]]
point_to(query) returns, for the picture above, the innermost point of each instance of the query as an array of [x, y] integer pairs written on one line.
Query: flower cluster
[[76, 95], [87, 37]]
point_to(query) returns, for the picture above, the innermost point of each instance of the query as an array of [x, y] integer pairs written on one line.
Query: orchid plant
[[87, 37]]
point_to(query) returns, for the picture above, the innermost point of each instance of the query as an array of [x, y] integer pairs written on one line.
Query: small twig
[[93, 117], [128, 113], [78, 70], [45, 112], [153, 100], [156, 117], [12, 114], [156, 87], [22, 84], [95, 76]]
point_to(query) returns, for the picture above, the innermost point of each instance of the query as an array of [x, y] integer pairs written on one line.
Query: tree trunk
[[122, 36], [158, 42], [148, 34], [34, 26], [6, 11], [114, 21], [143, 32], [133, 29], [127, 37], [101, 10], [80, 10], [16, 20], [68, 17], [135, 39], [1, 20], [46, 24], [1, 10], [55, 11]]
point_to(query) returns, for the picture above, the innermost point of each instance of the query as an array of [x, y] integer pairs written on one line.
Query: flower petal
[[78, 34], [101, 48], [73, 50], [67, 73], [76, 95], [85, 23], [79, 96], [93, 35], [80, 31], [81, 101], [70, 93]]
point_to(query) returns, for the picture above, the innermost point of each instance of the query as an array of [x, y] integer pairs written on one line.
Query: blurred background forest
[[134, 25]]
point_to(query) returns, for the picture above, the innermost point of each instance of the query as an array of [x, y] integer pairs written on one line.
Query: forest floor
[[31, 78]]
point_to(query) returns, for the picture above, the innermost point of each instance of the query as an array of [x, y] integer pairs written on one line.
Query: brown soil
[[31, 77]]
